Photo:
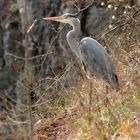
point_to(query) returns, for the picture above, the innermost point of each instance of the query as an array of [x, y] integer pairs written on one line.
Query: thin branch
[[18, 122], [56, 79], [123, 24], [43, 61], [30, 58], [81, 10], [120, 25], [15, 56], [30, 28]]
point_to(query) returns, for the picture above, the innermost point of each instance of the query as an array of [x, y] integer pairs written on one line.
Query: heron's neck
[[73, 38]]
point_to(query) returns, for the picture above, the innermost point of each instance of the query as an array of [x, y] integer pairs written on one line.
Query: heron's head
[[66, 18]]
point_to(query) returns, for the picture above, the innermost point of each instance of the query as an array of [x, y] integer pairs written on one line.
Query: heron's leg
[[90, 100], [107, 90], [90, 95], [106, 97]]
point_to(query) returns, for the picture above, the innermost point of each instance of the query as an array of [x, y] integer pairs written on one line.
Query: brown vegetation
[[44, 92]]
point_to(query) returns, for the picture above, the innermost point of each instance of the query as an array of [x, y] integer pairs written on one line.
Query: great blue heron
[[94, 58]]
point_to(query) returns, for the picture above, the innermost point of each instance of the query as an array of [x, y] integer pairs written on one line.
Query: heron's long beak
[[59, 19]]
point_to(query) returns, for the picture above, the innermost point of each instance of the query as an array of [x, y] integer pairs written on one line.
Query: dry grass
[[64, 113], [60, 112]]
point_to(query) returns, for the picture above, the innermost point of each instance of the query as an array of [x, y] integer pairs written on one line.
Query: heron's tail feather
[[115, 81]]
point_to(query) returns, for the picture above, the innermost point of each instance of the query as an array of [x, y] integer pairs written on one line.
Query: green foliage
[[114, 128], [136, 99]]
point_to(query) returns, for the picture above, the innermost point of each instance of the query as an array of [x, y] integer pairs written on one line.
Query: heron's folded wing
[[93, 60]]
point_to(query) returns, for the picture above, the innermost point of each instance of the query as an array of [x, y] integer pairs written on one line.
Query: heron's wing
[[93, 55], [97, 61]]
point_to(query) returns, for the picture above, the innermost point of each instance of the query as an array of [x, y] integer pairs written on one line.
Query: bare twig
[[51, 46], [83, 9], [130, 19], [18, 122], [30, 28], [56, 79], [30, 58], [121, 25], [15, 56]]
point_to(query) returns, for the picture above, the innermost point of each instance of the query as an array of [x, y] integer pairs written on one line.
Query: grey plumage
[[94, 58], [97, 61]]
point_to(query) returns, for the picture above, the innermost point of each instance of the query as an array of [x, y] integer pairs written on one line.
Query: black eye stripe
[[70, 15]]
